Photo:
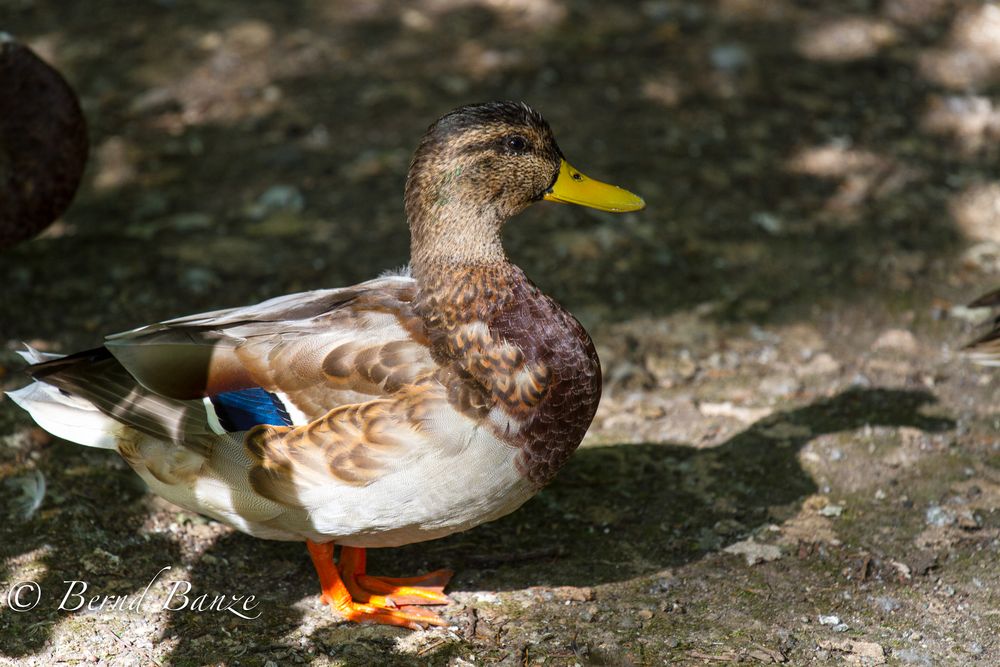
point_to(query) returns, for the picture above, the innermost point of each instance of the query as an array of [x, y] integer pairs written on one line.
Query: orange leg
[[397, 591], [374, 609]]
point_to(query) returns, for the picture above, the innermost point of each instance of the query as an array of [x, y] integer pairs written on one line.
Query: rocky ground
[[792, 463]]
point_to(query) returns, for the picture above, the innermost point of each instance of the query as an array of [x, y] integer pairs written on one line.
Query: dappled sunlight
[[958, 68], [49, 48], [755, 10], [916, 12], [979, 29], [235, 77], [973, 121], [241, 74], [58, 229], [971, 57], [347, 13], [834, 160], [329, 98], [480, 61], [667, 89], [862, 174], [846, 39], [114, 164], [976, 211], [982, 257], [726, 70], [531, 15]]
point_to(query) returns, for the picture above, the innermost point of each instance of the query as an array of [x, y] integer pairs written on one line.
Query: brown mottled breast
[[510, 348], [550, 337]]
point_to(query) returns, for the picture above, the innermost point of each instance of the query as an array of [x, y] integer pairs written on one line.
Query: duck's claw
[[388, 601]]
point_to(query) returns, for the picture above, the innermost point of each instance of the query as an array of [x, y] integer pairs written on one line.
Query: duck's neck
[[451, 227], [450, 240], [460, 266]]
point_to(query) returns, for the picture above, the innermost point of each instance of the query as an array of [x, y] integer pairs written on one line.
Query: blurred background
[[778, 328]]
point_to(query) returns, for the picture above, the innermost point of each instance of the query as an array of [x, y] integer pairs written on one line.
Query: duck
[[406, 408]]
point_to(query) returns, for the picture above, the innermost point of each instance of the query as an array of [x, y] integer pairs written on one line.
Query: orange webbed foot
[[409, 590], [426, 589], [363, 598]]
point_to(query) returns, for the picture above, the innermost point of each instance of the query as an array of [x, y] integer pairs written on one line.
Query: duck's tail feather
[[65, 416], [33, 356], [88, 398]]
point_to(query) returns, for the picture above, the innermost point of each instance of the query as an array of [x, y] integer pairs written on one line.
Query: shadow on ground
[[614, 513], [623, 511]]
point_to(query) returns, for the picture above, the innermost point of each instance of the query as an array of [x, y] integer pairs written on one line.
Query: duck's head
[[478, 166]]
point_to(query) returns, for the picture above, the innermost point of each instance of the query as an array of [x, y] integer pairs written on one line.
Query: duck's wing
[[289, 360], [316, 349], [985, 349]]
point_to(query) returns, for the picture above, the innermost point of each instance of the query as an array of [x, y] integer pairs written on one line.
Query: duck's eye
[[515, 143]]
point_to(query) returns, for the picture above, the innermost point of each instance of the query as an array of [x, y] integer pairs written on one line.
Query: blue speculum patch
[[242, 410]]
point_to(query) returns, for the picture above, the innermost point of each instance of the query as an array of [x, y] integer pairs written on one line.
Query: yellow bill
[[572, 187]]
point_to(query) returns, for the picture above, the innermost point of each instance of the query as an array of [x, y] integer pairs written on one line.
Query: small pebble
[[277, 198], [911, 657], [832, 510], [887, 604], [769, 222], [940, 516], [730, 57], [898, 340]]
